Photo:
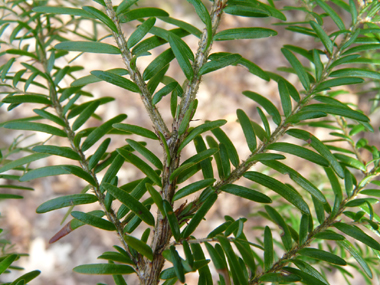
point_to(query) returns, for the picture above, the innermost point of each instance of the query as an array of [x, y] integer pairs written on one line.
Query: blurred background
[[220, 95]]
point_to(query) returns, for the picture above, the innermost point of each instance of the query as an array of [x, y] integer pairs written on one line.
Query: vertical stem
[[162, 232]]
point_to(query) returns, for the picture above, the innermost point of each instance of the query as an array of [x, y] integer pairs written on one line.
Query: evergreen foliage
[[310, 230]]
